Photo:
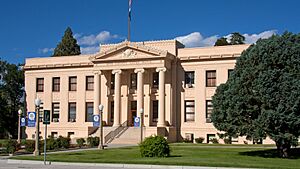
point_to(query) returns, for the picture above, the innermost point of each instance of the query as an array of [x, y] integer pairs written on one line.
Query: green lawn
[[185, 154]]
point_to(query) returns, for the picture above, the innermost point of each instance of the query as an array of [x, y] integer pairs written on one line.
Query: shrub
[[155, 146], [63, 142], [199, 140], [227, 140], [93, 141], [186, 140], [52, 144], [80, 142], [214, 141], [11, 146], [29, 145]]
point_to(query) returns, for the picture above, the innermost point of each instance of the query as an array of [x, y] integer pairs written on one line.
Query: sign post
[[46, 121]]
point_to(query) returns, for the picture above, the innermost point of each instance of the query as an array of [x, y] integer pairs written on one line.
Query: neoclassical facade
[[173, 85]]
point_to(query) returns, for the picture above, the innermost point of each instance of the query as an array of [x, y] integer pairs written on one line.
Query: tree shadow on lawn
[[272, 153]]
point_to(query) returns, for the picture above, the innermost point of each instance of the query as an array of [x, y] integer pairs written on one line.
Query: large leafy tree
[[11, 96], [68, 45], [222, 42], [262, 96], [236, 39]]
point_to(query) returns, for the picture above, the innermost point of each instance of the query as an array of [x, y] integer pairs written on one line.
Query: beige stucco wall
[[147, 55]]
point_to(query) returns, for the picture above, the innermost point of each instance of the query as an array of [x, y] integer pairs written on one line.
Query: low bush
[[29, 145], [63, 142], [80, 142], [155, 146], [93, 141], [227, 140], [11, 146], [214, 141], [199, 140], [186, 140]]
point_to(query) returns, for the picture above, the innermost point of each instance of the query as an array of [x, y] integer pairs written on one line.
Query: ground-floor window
[[189, 137], [154, 110], [210, 138], [189, 106], [54, 134], [71, 134]]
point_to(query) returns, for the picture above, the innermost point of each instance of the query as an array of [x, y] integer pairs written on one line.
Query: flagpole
[[129, 19]]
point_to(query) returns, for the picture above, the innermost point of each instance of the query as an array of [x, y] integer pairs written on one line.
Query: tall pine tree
[[68, 45]]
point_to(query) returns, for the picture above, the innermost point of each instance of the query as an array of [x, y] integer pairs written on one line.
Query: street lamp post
[[19, 126], [141, 121], [37, 131], [101, 127]]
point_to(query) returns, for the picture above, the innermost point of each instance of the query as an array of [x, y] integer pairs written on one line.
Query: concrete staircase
[[131, 135]]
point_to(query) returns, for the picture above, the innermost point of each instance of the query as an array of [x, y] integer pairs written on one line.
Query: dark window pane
[[90, 83], [72, 112], [89, 112]]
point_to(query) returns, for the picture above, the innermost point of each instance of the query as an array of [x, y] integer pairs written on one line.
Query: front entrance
[[132, 113]]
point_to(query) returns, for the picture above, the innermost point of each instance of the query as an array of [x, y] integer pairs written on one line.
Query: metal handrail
[[111, 135]]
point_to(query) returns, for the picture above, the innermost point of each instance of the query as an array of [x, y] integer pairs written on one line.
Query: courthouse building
[[173, 85]]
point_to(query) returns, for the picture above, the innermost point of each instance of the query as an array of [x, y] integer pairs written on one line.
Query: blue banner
[[31, 119], [23, 121], [96, 120], [137, 122]]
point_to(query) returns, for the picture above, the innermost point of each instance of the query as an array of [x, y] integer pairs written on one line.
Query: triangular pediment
[[128, 50]]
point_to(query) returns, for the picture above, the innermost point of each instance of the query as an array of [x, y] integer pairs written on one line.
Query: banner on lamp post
[[31, 119], [96, 120], [23, 122]]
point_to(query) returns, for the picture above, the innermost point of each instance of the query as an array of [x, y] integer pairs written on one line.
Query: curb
[[110, 165]]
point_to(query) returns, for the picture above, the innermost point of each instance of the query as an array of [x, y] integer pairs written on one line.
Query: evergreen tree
[[68, 45], [262, 96], [237, 39], [222, 42]]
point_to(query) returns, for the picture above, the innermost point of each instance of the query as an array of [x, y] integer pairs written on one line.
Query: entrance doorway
[[132, 113]]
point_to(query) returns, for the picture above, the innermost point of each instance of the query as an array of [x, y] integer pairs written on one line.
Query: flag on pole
[[129, 9]]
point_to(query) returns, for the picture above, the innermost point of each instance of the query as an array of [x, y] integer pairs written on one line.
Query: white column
[[117, 99], [140, 90], [161, 101], [97, 94]]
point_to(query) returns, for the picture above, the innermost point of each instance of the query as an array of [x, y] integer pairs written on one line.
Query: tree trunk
[[283, 149]]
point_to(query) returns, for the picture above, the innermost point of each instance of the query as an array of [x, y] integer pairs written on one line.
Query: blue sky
[[32, 28]]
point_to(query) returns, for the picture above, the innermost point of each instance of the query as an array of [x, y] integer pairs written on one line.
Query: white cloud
[[92, 39], [46, 50], [252, 38], [89, 49], [195, 39]]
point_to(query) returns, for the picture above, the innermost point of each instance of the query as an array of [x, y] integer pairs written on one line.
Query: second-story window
[[209, 108], [90, 83], [40, 85], [56, 84], [72, 83], [55, 112], [133, 81], [189, 79], [211, 78]]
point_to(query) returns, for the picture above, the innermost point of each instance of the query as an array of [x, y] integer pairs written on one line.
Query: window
[[189, 111], [72, 112], [209, 108], [56, 84], [112, 81], [229, 72], [55, 112], [72, 83], [155, 78], [189, 79], [90, 83], [189, 137], [211, 78], [154, 110], [210, 137], [89, 112], [54, 134], [133, 81], [40, 85], [71, 135], [112, 111]]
